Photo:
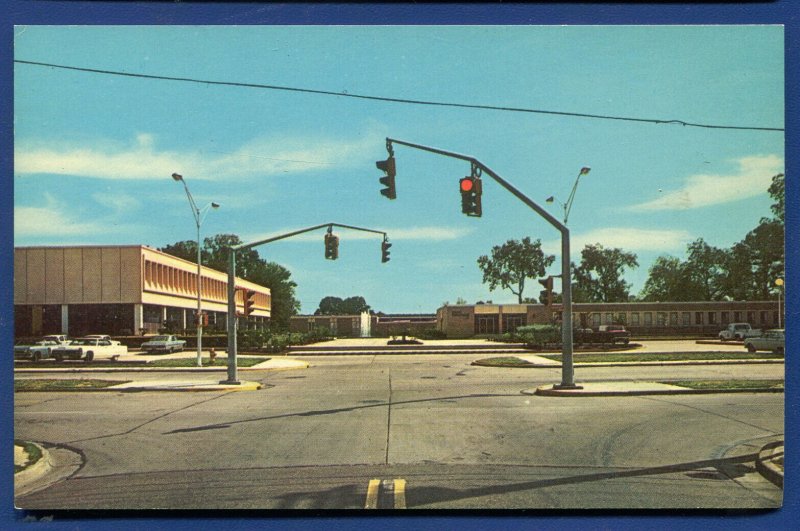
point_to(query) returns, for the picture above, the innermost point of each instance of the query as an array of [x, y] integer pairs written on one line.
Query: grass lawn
[[505, 361], [624, 357], [33, 452], [56, 384], [727, 384]]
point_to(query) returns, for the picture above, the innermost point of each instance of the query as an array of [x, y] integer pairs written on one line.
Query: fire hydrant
[[212, 354]]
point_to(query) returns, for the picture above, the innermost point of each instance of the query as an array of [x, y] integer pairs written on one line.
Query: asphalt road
[[420, 432]]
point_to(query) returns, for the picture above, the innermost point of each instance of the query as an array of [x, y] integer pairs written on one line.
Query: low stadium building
[[120, 290]]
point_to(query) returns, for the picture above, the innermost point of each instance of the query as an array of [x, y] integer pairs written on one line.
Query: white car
[[89, 348], [103, 337]]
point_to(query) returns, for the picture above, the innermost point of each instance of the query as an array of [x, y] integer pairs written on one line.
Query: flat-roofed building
[[120, 290]]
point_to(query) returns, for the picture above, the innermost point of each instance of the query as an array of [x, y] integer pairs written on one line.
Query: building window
[[737, 317], [763, 317], [648, 319], [609, 318], [775, 318], [661, 318], [725, 317], [512, 321], [698, 318], [621, 318], [635, 318], [751, 317], [595, 319], [673, 318], [686, 318], [712, 318]]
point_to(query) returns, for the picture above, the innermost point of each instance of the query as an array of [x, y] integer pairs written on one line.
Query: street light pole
[[779, 283], [198, 219], [568, 205]]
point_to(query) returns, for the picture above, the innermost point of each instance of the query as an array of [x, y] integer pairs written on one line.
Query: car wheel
[[723, 338], [36, 356], [779, 350], [751, 348], [89, 356], [59, 357]]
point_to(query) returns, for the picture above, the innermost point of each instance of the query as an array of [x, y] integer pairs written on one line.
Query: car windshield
[[160, 338]]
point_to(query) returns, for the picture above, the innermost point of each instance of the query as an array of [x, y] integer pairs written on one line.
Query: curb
[[34, 471], [219, 368], [632, 363], [549, 391], [243, 386], [765, 462]]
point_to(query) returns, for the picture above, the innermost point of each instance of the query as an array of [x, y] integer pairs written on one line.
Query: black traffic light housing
[[331, 245], [388, 167], [249, 301], [385, 250], [471, 190], [547, 293]]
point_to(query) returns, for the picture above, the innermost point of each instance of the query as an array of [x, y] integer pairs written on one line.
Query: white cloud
[[58, 219], [753, 178], [627, 239], [143, 160]]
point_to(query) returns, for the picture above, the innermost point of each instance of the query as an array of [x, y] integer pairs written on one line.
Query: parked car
[[89, 348], [35, 352], [58, 338], [613, 334], [773, 340], [104, 337], [738, 331], [164, 344]]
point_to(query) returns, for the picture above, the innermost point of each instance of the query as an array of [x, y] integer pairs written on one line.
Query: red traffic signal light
[[547, 294], [249, 301], [471, 196], [388, 167]]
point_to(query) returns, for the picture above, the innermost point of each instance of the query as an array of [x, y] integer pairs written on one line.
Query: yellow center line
[[372, 494], [399, 494]]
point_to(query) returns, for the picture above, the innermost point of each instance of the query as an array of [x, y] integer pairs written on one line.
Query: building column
[[138, 318], [163, 317], [65, 319], [183, 319]]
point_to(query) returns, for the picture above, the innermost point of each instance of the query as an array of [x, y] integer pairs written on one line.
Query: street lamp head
[[177, 176], [585, 170], [214, 205], [779, 282], [550, 199]]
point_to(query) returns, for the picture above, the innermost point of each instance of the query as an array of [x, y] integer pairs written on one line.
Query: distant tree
[[461, 300], [598, 278], [337, 306], [667, 281], [706, 268], [777, 192], [512, 263], [185, 249], [282, 292]]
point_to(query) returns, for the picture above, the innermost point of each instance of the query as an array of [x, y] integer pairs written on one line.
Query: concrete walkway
[[594, 389]]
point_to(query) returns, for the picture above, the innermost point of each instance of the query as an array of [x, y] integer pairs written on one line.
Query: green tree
[[598, 278], [667, 281], [777, 192], [337, 306], [512, 263], [706, 269]]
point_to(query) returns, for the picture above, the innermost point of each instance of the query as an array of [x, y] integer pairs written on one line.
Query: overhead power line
[[399, 100]]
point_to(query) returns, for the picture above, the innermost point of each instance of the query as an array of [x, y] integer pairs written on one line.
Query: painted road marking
[[372, 494], [399, 494], [386, 494]]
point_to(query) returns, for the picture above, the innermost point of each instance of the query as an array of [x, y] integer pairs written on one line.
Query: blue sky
[[94, 153]]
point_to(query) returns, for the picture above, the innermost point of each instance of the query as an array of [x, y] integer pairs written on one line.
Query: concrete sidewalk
[[542, 362], [221, 365], [633, 388]]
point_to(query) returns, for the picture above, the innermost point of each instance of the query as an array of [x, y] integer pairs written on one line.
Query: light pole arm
[[301, 231], [195, 210], [567, 371]]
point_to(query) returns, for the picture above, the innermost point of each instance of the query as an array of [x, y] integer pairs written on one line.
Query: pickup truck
[[739, 332], [164, 344]]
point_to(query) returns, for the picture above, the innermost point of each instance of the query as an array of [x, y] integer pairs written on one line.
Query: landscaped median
[[88, 384], [622, 358], [187, 362]]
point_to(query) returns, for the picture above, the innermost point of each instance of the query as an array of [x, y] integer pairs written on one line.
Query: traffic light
[[471, 195], [249, 301], [385, 251], [202, 320], [547, 293], [387, 166], [331, 246]]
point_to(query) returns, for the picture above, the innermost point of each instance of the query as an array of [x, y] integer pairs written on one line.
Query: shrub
[[537, 335]]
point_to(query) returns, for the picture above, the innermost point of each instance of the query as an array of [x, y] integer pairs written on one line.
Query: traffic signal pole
[[233, 378], [567, 365]]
